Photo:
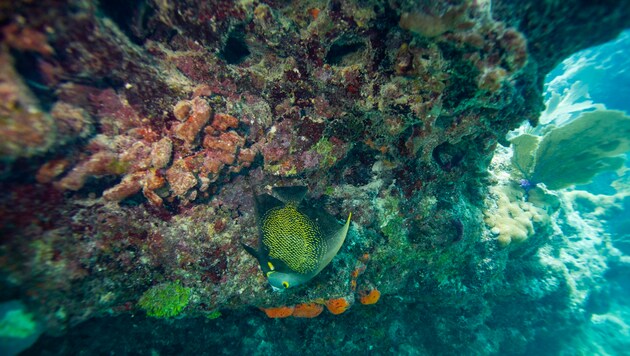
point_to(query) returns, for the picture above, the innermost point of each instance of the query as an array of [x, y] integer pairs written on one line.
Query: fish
[[296, 240]]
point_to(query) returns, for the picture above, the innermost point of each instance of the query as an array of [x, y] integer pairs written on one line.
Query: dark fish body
[[296, 240]]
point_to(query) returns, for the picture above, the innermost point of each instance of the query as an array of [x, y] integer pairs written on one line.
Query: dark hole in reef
[[462, 83], [235, 49], [342, 50], [448, 156], [26, 64], [356, 168], [129, 15], [347, 128], [598, 301], [444, 121], [96, 186]]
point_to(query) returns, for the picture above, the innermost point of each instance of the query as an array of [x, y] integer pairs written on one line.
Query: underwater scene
[[315, 177]]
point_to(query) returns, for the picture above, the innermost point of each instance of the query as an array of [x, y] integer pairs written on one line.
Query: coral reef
[[133, 136]]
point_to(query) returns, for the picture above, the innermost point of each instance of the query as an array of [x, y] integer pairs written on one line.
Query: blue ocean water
[[603, 69], [594, 79]]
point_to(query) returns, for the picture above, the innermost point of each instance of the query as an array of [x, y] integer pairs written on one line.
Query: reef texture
[[133, 135]]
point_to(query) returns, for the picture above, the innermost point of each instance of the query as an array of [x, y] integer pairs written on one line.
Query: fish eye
[[285, 284]]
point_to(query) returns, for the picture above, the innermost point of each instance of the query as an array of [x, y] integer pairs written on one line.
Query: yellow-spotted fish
[[296, 241]]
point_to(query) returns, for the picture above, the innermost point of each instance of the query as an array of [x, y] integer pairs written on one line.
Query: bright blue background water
[[605, 69]]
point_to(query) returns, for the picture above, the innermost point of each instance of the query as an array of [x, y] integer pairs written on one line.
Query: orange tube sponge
[[370, 297], [337, 305], [307, 310], [278, 312]]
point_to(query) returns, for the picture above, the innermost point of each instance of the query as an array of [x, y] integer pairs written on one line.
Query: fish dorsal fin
[[266, 202], [291, 194]]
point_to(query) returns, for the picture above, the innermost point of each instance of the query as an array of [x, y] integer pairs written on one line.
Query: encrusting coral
[[370, 297], [170, 167], [307, 310]]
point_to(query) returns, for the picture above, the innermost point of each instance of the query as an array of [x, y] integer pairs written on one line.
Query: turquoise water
[[591, 80]]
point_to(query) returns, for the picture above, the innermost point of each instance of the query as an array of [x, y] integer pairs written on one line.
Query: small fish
[[296, 241]]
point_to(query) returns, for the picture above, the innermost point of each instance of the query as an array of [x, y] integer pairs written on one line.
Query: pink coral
[[26, 39], [130, 185], [223, 122], [50, 170]]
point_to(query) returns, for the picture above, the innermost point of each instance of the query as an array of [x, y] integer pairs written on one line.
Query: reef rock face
[[133, 135]]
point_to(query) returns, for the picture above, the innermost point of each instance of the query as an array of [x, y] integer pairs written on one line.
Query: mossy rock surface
[[165, 300]]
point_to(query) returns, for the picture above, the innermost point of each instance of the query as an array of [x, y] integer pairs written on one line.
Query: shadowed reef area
[[134, 134]]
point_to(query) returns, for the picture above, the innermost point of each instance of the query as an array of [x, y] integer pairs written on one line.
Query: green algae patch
[[17, 324], [214, 315], [165, 300], [325, 149], [118, 167]]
